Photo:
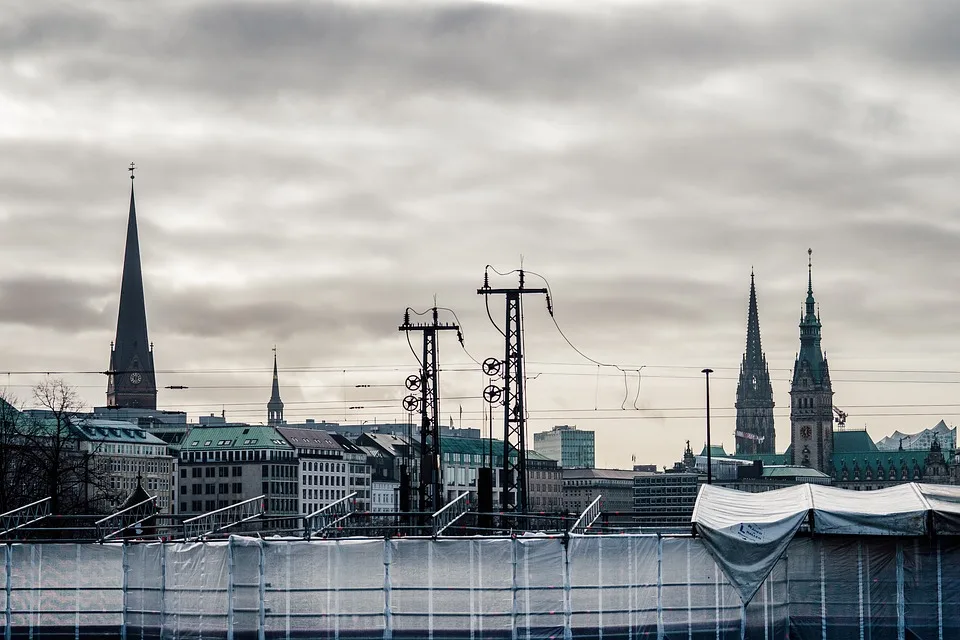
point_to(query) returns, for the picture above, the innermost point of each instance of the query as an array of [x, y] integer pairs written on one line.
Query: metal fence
[[625, 586]]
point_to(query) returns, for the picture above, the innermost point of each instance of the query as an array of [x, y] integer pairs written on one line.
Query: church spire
[[754, 352], [755, 430], [132, 379], [275, 406]]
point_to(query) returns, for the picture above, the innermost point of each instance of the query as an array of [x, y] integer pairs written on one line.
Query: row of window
[[324, 494], [236, 456], [337, 481], [212, 489], [328, 467]]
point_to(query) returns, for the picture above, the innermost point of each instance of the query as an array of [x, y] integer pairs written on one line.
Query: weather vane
[[132, 168]]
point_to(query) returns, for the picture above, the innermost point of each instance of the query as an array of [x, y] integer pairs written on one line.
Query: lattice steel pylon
[[513, 495], [431, 476]]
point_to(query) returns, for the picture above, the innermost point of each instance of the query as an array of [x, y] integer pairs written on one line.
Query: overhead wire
[[553, 317]]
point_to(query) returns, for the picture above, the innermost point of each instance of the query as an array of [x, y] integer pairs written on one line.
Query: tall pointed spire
[[755, 430], [132, 380], [754, 352], [275, 406], [810, 328]]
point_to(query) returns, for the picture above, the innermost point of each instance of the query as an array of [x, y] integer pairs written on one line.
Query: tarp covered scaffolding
[[894, 580], [529, 587]]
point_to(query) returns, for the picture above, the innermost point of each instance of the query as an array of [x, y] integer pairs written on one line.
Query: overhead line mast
[[428, 383], [513, 495]]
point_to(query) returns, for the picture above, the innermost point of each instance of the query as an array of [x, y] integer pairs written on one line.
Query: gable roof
[[309, 439]]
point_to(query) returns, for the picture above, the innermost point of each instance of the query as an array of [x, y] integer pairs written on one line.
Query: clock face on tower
[[135, 378], [805, 431]]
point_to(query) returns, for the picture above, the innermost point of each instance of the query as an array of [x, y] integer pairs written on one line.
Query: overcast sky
[[308, 170]]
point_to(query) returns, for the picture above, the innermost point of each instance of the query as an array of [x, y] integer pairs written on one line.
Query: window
[[196, 505], [237, 487], [183, 489], [207, 443], [223, 472], [211, 489], [224, 488], [211, 472], [197, 472], [237, 472], [194, 443], [211, 505], [196, 490], [183, 473]]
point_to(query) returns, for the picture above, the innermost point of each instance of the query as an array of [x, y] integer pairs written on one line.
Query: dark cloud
[[57, 303], [308, 170]]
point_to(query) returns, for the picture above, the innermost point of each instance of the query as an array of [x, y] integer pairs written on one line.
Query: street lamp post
[[706, 373]]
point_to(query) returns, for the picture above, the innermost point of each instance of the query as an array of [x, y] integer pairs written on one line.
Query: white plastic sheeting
[[611, 587]]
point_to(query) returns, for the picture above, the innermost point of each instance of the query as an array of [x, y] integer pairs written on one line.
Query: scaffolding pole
[[323, 519], [206, 524], [24, 516]]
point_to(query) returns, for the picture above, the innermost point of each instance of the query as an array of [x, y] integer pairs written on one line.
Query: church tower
[[755, 433], [132, 381], [811, 394], [275, 406]]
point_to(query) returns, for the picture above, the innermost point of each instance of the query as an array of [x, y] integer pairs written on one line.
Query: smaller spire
[[275, 405]]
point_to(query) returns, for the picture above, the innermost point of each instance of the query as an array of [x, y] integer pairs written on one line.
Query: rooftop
[[114, 431], [233, 437], [306, 438]]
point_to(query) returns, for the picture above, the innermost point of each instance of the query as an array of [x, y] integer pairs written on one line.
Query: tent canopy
[[902, 510], [748, 532]]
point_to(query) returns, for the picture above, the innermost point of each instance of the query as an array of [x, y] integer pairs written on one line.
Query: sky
[[307, 170]]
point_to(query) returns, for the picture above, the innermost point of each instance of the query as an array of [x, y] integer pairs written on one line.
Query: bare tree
[[16, 472], [52, 448]]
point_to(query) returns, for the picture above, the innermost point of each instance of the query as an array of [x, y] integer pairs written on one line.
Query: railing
[[450, 513], [325, 518], [117, 523], [24, 516], [209, 523], [588, 517]]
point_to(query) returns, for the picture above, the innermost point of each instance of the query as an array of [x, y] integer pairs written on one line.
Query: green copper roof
[[716, 451], [853, 442], [899, 460], [233, 437], [479, 446]]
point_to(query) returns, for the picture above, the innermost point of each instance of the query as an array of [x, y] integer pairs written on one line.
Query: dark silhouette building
[[811, 394], [132, 381], [275, 406], [755, 430]]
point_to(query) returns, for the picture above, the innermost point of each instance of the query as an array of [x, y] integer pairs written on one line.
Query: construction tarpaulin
[[748, 532]]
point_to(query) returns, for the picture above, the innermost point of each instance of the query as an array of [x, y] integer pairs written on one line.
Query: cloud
[[64, 305], [308, 170]]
